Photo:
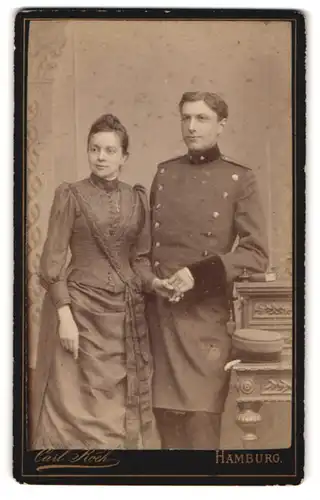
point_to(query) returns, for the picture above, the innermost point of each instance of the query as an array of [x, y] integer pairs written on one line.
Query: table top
[[264, 366]]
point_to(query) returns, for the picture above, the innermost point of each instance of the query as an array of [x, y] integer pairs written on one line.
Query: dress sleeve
[[55, 250], [251, 252], [140, 260]]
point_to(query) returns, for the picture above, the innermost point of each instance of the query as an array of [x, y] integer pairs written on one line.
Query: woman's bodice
[[120, 212]]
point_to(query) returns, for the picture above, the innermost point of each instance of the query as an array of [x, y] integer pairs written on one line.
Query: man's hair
[[214, 101], [110, 123]]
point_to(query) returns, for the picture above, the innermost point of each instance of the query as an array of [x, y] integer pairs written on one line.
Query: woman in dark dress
[[93, 378]]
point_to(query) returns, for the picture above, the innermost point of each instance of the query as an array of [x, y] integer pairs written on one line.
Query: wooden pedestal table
[[258, 383]]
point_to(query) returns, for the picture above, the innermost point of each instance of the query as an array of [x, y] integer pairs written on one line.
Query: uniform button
[[157, 224], [215, 215], [160, 187], [225, 195], [157, 263], [201, 158], [205, 253], [161, 170], [209, 233], [157, 244], [158, 206]]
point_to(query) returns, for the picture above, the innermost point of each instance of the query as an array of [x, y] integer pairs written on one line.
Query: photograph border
[[156, 464]]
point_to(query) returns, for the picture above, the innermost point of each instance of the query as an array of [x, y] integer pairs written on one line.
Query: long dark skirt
[[82, 403]]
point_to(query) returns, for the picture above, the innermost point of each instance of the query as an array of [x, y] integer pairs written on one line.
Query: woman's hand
[[162, 288], [182, 281], [68, 331]]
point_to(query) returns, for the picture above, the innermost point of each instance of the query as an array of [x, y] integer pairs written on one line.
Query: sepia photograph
[[157, 298]]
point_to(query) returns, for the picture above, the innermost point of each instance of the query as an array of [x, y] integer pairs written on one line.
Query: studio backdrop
[[137, 70]]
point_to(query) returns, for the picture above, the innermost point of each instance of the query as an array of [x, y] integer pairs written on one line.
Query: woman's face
[[105, 155]]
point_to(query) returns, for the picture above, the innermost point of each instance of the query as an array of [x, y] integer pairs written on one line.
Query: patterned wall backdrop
[[45, 46]]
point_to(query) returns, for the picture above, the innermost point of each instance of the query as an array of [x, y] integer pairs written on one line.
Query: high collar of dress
[[106, 185], [199, 157]]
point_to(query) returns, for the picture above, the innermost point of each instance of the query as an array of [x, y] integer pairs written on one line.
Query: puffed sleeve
[[251, 252], [55, 250], [140, 253]]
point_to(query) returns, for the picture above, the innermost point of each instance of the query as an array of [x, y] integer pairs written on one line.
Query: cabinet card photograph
[[159, 187]]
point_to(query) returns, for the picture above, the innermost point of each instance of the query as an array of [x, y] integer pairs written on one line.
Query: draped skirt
[[83, 403]]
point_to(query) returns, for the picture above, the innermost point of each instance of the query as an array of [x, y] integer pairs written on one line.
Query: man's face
[[200, 126]]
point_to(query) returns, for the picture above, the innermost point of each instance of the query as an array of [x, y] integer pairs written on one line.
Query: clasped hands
[[174, 288]]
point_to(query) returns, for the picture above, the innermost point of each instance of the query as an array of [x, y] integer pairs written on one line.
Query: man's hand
[[182, 281]]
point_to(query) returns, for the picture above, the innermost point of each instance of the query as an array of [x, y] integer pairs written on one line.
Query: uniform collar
[[104, 183], [199, 157]]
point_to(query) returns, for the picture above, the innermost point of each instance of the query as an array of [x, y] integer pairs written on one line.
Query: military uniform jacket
[[200, 205]]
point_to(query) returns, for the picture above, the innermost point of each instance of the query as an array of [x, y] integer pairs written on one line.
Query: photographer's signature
[[54, 459]]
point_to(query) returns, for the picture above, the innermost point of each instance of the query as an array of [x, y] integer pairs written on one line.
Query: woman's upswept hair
[[110, 123]]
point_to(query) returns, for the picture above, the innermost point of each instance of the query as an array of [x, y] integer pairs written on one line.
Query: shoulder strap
[[234, 162]]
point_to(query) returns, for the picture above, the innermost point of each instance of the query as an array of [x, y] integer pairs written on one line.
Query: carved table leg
[[248, 419]]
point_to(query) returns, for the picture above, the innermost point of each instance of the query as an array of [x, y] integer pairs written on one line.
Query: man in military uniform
[[201, 203]]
